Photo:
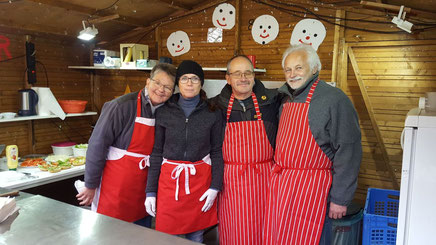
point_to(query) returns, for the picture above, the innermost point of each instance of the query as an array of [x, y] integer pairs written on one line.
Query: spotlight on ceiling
[[401, 21], [87, 33]]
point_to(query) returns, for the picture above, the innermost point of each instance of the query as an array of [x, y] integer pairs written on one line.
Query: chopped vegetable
[[81, 146]]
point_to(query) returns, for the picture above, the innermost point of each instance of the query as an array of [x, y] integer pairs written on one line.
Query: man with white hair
[[317, 155]]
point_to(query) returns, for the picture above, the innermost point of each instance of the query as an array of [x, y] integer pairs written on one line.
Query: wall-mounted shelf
[[147, 68], [88, 113]]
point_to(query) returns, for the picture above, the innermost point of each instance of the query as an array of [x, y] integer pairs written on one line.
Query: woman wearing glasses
[[186, 164]]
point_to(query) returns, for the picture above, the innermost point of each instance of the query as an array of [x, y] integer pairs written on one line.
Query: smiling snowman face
[[308, 31], [178, 43], [224, 16], [265, 29]]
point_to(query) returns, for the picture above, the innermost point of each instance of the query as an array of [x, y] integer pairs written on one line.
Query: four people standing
[[285, 200]]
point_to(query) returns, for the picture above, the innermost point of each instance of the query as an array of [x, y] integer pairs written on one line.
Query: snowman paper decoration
[[178, 43], [265, 29], [224, 16], [308, 31]]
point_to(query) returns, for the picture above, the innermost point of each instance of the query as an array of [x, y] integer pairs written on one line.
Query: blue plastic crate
[[380, 217]]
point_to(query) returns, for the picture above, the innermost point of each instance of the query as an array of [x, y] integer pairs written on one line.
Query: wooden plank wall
[[55, 54], [396, 70]]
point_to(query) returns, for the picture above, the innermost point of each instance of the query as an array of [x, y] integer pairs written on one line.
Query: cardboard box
[[100, 54], [131, 52]]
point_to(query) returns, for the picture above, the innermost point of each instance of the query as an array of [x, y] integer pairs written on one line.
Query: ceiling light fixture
[[87, 33], [401, 21]]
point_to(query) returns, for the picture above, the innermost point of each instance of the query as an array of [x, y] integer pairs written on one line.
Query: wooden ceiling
[[64, 17]]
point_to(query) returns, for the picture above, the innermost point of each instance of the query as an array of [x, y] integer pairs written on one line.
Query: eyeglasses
[[194, 79], [238, 74], [160, 85]]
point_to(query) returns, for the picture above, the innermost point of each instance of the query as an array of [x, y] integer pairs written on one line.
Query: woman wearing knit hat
[[186, 166]]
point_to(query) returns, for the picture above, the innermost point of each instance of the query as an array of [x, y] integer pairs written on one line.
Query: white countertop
[[34, 177]]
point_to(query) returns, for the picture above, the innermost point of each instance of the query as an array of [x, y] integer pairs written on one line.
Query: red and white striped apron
[[248, 159], [300, 181], [122, 190], [181, 184]]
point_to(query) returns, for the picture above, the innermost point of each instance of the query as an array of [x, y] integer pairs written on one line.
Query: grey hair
[[312, 56], [169, 69], [239, 56]]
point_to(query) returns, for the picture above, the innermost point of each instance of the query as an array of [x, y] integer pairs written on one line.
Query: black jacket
[[268, 103], [178, 137]]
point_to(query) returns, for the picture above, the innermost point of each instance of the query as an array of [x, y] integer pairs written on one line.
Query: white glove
[[150, 206], [211, 196]]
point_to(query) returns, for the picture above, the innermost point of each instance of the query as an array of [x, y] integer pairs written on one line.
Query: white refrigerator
[[417, 209]]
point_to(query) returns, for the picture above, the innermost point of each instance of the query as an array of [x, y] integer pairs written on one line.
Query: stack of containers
[[380, 217]]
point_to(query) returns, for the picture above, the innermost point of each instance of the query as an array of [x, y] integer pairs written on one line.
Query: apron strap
[[138, 104], [256, 106], [229, 107], [312, 89]]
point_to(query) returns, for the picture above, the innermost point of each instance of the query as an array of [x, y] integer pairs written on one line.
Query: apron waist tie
[[145, 161], [175, 174], [244, 166], [277, 169], [115, 153], [189, 169]]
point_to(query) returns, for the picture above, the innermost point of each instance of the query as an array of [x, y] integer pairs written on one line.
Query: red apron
[[300, 181], [181, 184], [122, 190], [248, 158]]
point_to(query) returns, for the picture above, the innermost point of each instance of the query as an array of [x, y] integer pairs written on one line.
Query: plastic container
[[73, 106], [347, 231], [9, 115], [63, 148], [12, 156], [80, 152], [380, 217]]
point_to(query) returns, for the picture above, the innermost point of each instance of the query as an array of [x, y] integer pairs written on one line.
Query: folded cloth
[[7, 207], [79, 185]]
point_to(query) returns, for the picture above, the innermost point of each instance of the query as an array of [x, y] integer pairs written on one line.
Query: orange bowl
[[73, 106]]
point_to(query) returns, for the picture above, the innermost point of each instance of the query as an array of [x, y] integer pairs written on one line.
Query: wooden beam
[[169, 19], [87, 11], [238, 8], [158, 39], [104, 19], [385, 6], [36, 29], [392, 43], [343, 66], [175, 5], [339, 34], [419, 13], [370, 110]]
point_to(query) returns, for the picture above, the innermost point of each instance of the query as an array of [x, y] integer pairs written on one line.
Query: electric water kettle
[[28, 99]]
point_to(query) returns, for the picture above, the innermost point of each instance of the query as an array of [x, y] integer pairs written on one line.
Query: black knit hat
[[189, 67]]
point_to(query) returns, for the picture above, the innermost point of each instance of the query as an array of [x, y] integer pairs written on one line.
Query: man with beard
[[317, 155]]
